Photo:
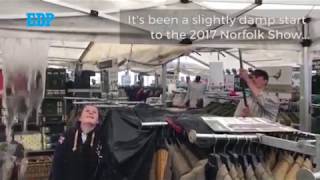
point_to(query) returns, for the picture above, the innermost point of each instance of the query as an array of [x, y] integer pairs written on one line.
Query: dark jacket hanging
[[129, 149]]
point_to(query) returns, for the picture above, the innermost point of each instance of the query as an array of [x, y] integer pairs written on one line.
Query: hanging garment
[[152, 175], [250, 173], [270, 161], [192, 121], [261, 173], [180, 165], [267, 168], [292, 174], [223, 173], [282, 167], [191, 158], [210, 171], [162, 161], [233, 172], [168, 173], [240, 172], [198, 172], [130, 154], [307, 164]]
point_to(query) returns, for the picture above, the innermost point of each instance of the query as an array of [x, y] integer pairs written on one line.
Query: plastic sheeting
[[130, 149], [24, 67]]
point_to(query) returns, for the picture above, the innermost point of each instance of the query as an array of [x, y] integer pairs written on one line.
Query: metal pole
[[193, 136], [164, 84], [238, 58], [306, 76], [241, 81], [145, 124]]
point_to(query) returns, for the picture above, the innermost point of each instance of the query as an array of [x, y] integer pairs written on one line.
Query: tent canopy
[[78, 37]]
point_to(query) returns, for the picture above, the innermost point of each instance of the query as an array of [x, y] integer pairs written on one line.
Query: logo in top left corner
[[39, 19]]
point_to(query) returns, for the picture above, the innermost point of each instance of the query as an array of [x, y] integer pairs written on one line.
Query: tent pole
[[164, 84], [277, 2], [241, 81], [306, 75], [199, 60], [238, 58]]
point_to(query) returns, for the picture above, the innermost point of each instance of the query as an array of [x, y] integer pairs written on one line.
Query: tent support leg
[[306, 76], [164, 84], [305, 91]]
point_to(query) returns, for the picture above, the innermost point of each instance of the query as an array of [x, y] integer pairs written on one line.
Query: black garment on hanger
[[129, 149], [212, 167], [195, 122]]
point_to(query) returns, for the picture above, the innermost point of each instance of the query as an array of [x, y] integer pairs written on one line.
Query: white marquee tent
[[89, 31]]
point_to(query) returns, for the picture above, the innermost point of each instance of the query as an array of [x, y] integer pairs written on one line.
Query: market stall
[[90, 37]]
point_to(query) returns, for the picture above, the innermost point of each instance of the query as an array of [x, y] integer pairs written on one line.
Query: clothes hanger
[[252, 158], [259, 152], [243, 147], [233, 155], [242, 158], [225, 157], [167, 137], [295, 155], [214, 158]]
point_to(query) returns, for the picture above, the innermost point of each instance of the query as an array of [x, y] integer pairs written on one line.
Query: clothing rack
[[194, 136], [316, 105], [152, 124], [110, 102], [88, 102], [82, 98], [301, 146], [305, 174]]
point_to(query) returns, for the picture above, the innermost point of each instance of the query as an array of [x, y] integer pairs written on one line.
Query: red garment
[[1, 80], [20, 82]]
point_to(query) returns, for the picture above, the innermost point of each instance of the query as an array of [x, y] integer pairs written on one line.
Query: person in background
[[195, 93], [188, 80], [260, 103], [78, 154]]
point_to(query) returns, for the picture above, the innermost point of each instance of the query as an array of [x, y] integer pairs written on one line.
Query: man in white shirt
[[195, 94], [260, 103]]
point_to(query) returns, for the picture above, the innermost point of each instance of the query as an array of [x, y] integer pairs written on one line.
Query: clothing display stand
[[104, 103], [307, 174], [107, 102], [194, 137], [307, 147]]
